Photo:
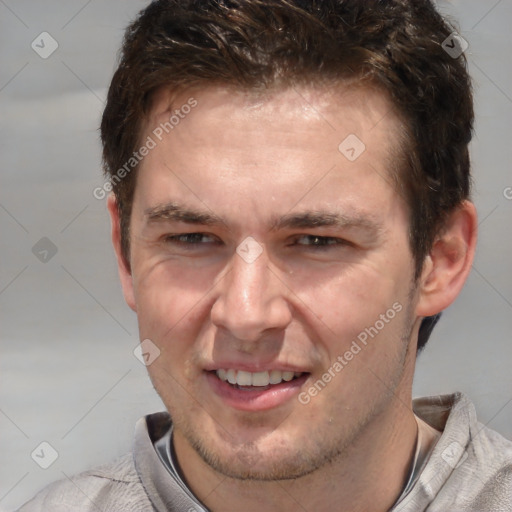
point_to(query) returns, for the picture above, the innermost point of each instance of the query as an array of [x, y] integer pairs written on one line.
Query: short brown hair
[[396, 44]]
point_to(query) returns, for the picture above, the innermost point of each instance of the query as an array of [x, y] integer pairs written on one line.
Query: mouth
[[255, 381], [255, 391]]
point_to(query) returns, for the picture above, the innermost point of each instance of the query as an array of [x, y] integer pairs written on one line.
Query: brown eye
[[319, 241], [190, 238]]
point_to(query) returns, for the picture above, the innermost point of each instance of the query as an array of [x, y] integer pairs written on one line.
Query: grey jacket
[[469, 470]]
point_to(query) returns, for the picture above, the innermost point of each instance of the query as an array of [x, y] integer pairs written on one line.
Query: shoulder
[[470, 468], [111, 487], [484, 473]]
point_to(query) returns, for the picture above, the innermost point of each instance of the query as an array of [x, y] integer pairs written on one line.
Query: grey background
[[68, 375]]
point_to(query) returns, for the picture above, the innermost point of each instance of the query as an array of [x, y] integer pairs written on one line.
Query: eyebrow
[[303, 220], [177, 213], [316, 219]]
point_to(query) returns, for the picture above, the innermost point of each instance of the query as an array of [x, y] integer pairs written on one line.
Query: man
[[290, 216]]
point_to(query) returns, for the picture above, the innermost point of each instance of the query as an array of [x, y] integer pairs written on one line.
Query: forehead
[[338, 105], [269, 147]]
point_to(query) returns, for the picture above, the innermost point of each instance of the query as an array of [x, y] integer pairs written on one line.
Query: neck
[[369, 476]]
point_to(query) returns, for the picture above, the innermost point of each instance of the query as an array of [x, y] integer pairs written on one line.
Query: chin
[[250, 463], [268, 458]]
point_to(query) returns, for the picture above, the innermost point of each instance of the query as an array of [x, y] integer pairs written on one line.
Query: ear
[[449, 262], [122, 265]]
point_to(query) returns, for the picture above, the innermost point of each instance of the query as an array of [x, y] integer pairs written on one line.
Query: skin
[[251, 161]]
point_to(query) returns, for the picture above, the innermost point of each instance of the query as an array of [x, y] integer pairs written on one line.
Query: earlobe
[[448, 264], [125, 274]]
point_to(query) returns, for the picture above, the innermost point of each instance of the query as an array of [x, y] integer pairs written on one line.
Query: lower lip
[[257, 399]]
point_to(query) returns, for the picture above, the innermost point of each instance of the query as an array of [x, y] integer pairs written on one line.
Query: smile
[[245, 379], [255, 391]]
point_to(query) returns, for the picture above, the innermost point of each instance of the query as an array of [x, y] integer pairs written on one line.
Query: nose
[[252, 300]]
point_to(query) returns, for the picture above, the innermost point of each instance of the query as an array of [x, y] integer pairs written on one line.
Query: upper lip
[[254, 367]]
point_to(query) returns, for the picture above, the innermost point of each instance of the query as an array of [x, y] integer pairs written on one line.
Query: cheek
[[172, 303], [352, 300]]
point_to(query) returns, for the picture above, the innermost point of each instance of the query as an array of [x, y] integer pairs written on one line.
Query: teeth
[[259, 379], [231, 376], [275, 376], [243, 378]]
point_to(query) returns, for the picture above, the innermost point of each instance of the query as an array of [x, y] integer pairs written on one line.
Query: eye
[[322, 242], [190, 239]]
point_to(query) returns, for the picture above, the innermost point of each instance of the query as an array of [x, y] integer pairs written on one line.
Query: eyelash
[[321, 242], [325, 241], [178, 238]]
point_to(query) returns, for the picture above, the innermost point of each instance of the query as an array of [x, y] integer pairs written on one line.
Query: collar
[[452, 414]]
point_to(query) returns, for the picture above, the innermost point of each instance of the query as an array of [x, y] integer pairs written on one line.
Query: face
[[264, 254]]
